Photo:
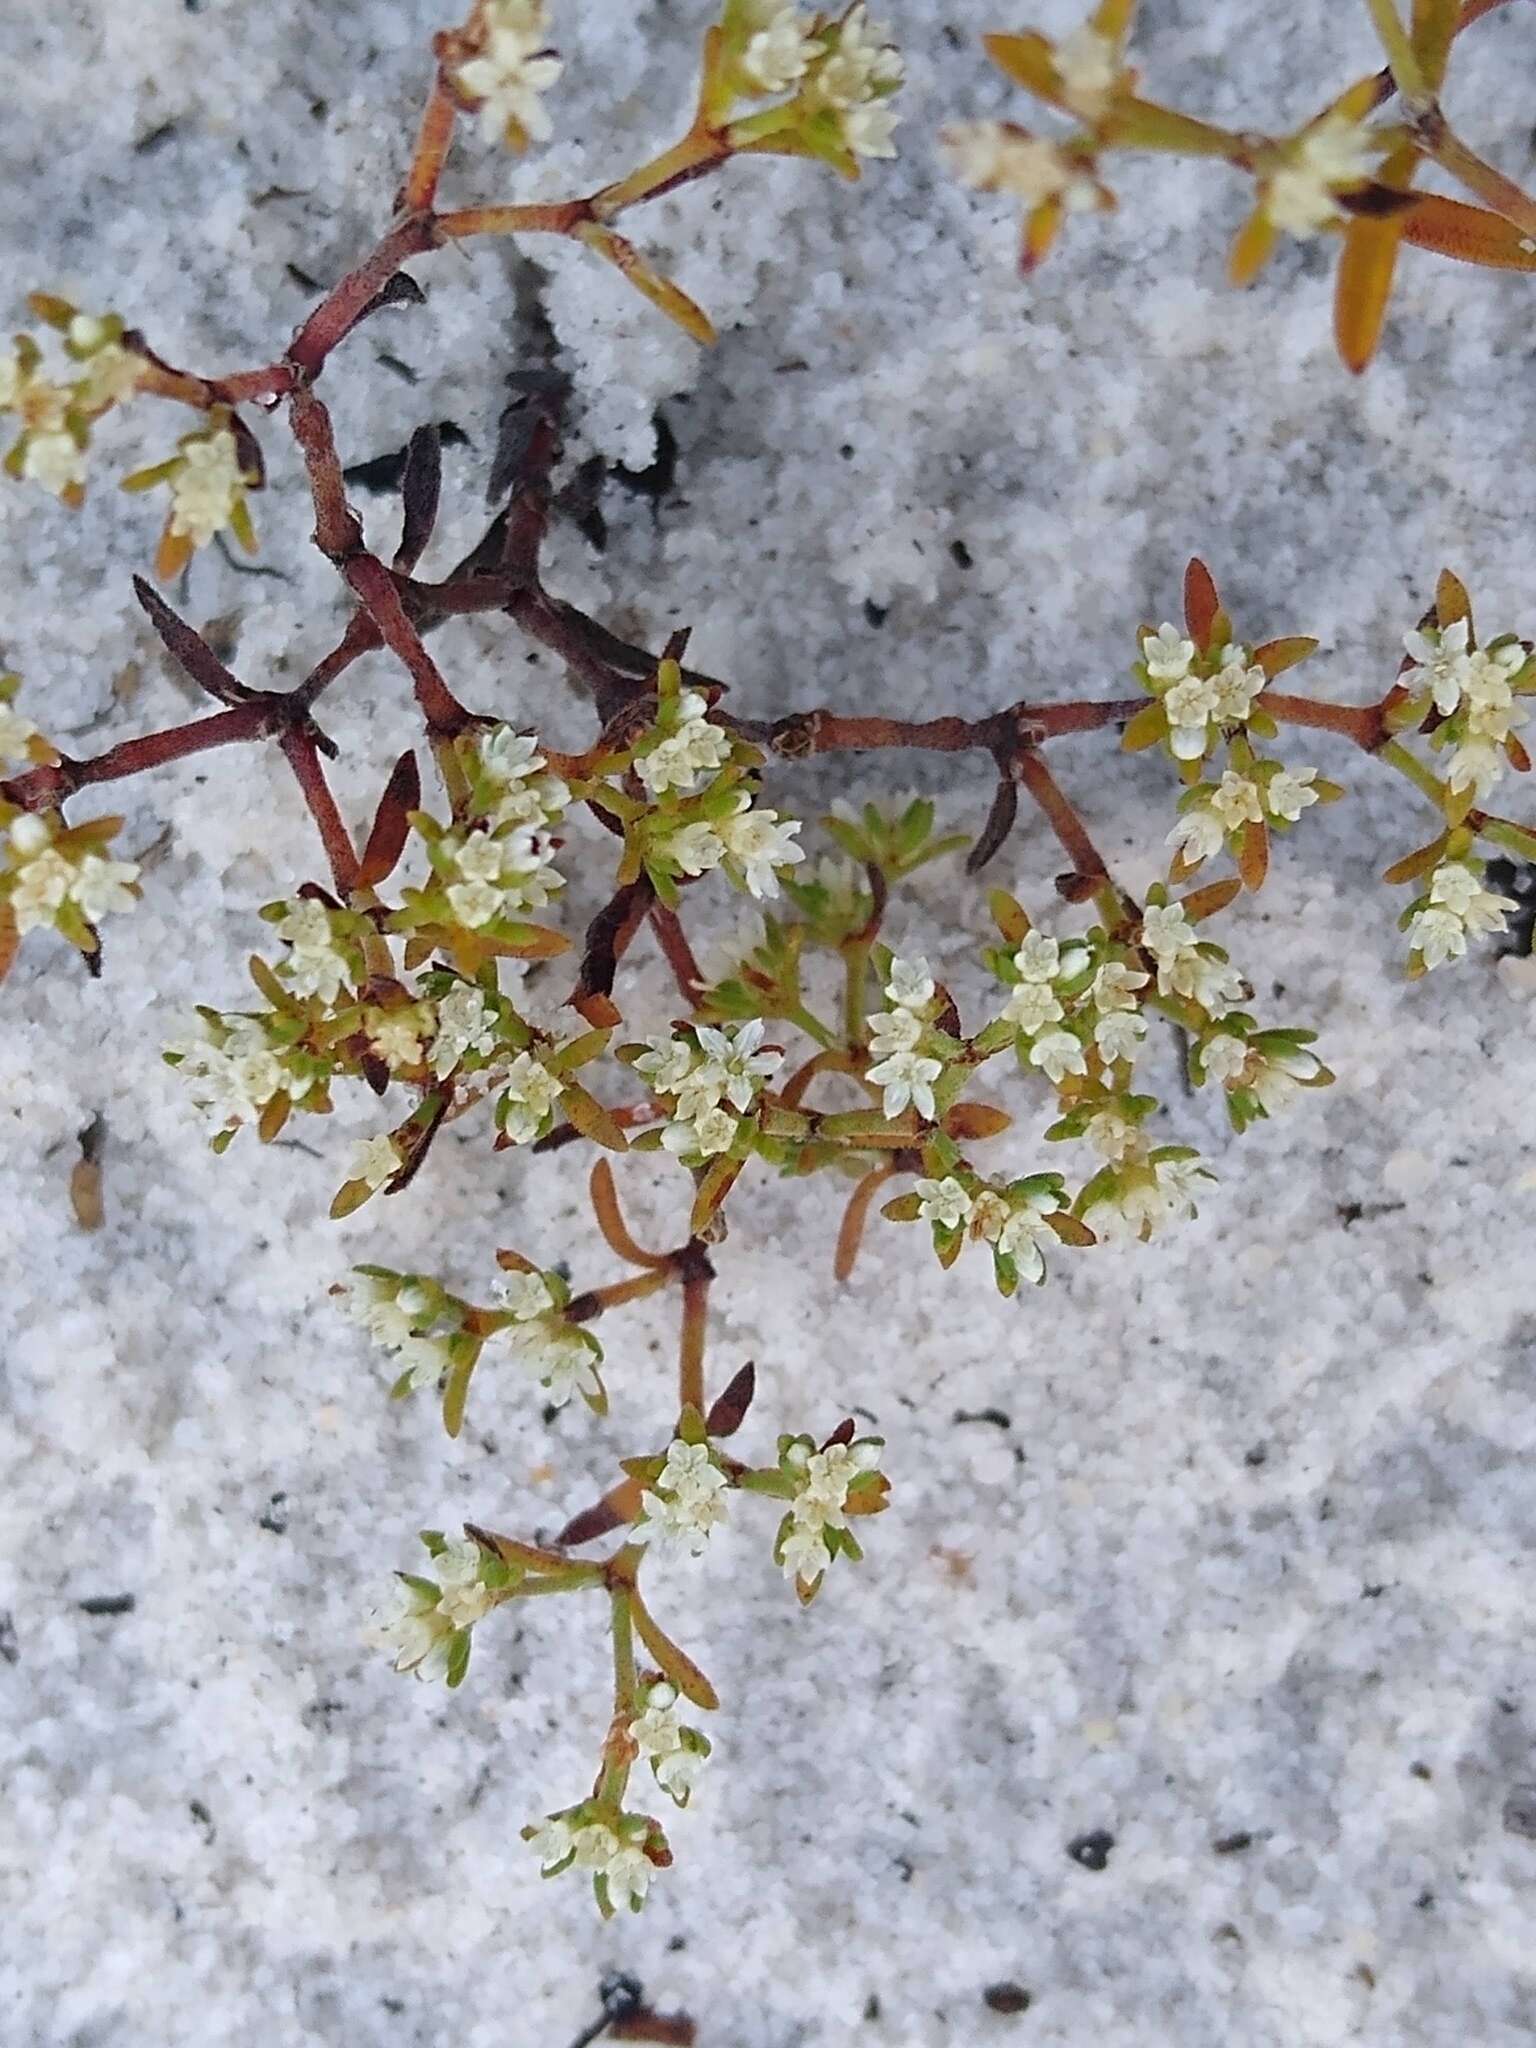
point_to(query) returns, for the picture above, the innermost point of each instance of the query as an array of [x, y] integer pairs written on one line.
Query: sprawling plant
[[815, 1049]]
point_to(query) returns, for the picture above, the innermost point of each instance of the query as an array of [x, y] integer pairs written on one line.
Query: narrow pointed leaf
[[1451, 600], [672, 1661], [1432, 31], [391, 824], [1276, 656], [1142, 124], [661, 291], [618, 1507], [591, 1118], [1253, 248], [1028, 62], [420, 488], [1201, 603], [1469, 234], [730, 1408]]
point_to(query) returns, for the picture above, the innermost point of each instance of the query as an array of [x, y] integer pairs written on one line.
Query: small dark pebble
[[10, 1651], [108, 1603], [961, 555], [1232, 1845], [1520, 1812], [1092, 1850], [275, 1515], [1007, 1998], [1420, 1771], [1258, 1456], [997, 1416], [876, 614], [872, 2006]]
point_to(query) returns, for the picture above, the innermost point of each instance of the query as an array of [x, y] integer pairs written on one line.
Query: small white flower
[[206, 486], [893, 1031], [1302, 196], [708, 1134], [944, 1202], [474, 903], [1225, 1059], [1031, 1006], [1110, 1134], [1166, 931], [694, 849], [553, 1842], [556, 1356], [101, 887], [531, 1093], [907, 1077], [55, 460], [1191, 705], [466, 1023], [1117, 986], [685, 1503], [1118, 1035], [1437, 935], [1167, 654], [667, 1065], [1290, 792], [778, 52], [1477, 764], [1088, 66], [1237, 686], [315, 966], [464, 1600], [734, 1052], [1444, 658], [510, 72], [1038, 958], [1197, 834], [1059, 1053], [41, 888], [990, 156], [910, 985], [15, 733], [376, 1162], [693, 749], [1025, 1232], [415, 1629], [525, 1296], [1236, 801], [804, 1555], [759, 842]]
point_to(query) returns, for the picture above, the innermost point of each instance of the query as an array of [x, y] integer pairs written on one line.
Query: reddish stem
[[334, 836]]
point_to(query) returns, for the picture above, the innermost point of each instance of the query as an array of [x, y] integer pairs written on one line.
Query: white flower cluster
[[16, 732], [1088, 67], [1142, 1192], [492, 875], [207, 486], [520, 792], [43, 879], [753, 843], [51, 451], [1473, 689], [1333, 155], [466, 1026], [512, 67], [398, 1035], [1215, 811], [1014, 1225], [1270, 1069], [560, 1357], [855, 79], [823, 1480], [315, 964], [234, 1069], [996, 156], [675, 1754], [1105, 1006], [1195, 699], [711, 1073], [1455, 907], [904, 1074], [779, 46], [690, 748], [683, 1503], [1186, 966], [397, 1313], [615, 1856], [526, 1103], [422, 1621], [376, 1162]]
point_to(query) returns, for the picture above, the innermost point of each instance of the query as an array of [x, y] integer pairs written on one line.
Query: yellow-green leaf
[[669, 298], [1028, 60], [1146, 728], [672, 1661], [1142, 124], [591, 1119], [1432, 32]]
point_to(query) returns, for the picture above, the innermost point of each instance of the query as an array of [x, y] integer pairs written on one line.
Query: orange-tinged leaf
[[976, 1120], [1070, 1229], [1027, 60], [1276, 656], [172, 555], [1041, 228], [349, 1196], [619, 1505], [10, 939], [1142, 124], [729, 1410], [1253, 248], [1451, 600], [669, 298], [391, 823], [1213, 897], [1201, 603], [1469, 234], [1009, 915], [1367, 265], [1253, 854], [851, 1231], [713, 1189], [591, 1118]]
